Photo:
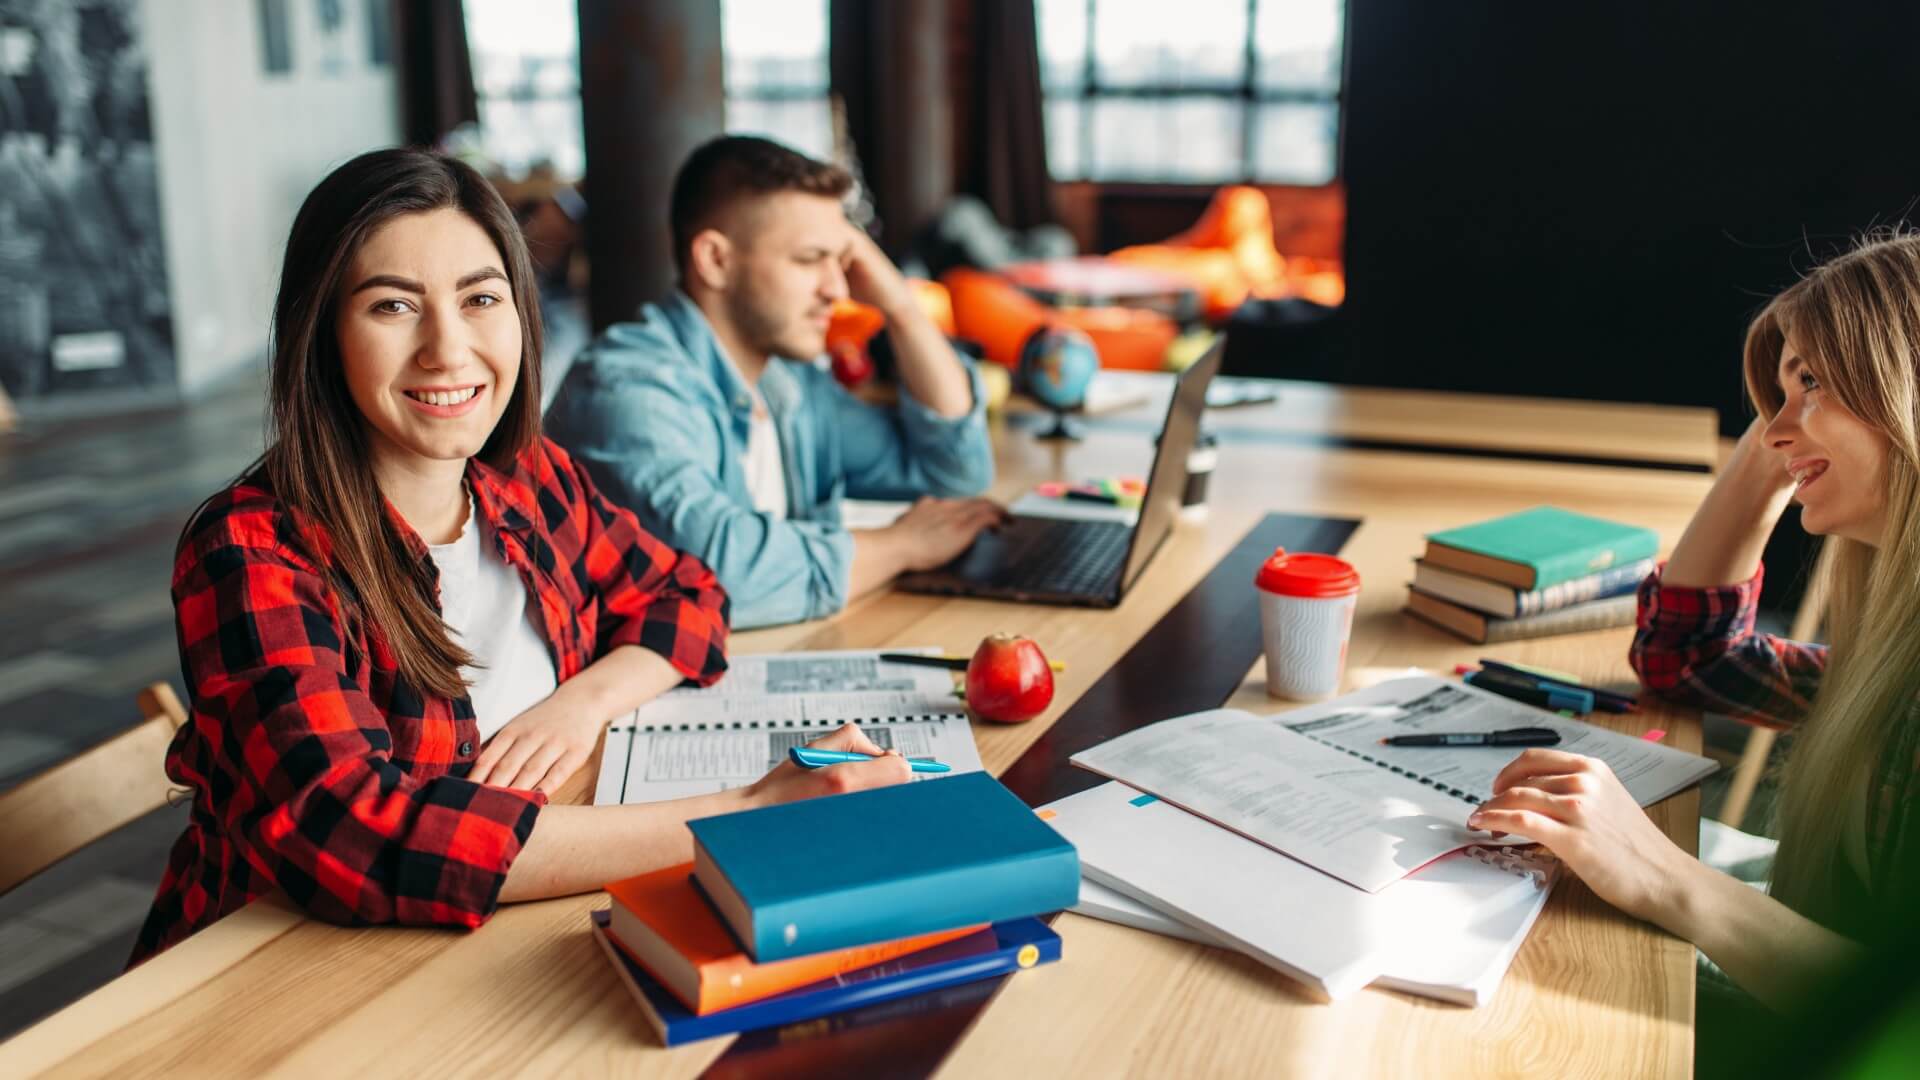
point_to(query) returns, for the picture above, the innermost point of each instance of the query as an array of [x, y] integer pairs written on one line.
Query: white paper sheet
[[1323, 932], [697, 741], [1316, 784], [1466, 968]]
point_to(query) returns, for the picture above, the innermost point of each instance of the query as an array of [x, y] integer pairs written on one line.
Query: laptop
[[1085, 563]]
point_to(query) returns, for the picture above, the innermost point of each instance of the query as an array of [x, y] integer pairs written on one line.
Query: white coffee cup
[[1306, 617]]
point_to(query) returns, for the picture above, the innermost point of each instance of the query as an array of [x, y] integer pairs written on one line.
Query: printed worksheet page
[[1317, 784], [1255, 776], [696, 741], [1358, 722]]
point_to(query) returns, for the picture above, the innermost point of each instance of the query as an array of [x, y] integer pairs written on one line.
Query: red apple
[[1009, 680], [851, 364]]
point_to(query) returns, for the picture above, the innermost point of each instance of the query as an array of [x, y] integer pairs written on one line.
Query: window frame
[[1247, 91]]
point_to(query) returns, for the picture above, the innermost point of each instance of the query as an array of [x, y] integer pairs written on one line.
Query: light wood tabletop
[[1592, 993], [1308, 413]]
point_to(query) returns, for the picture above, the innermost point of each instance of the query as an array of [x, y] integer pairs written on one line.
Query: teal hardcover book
[[846, 870], [1541, 547]]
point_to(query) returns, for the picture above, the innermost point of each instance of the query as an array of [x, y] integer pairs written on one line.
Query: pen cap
[[1307, 575]]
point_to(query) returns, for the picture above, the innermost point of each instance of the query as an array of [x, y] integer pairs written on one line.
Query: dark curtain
[[887, 61], [436, 72], [1007, 158]]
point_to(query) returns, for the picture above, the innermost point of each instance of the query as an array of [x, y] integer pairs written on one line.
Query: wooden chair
[[72, 804], [1759, 747]]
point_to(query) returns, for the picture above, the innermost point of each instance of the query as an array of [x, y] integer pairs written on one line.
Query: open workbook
[[695, 741], [1447, 931], [1317, 784]]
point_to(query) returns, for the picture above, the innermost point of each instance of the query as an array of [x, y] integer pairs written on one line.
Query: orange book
[[662, 921]]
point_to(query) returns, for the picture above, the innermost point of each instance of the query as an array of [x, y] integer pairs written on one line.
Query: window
[[526, 74], [776, 72], [1202, 91]]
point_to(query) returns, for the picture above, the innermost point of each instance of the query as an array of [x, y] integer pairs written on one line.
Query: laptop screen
[[1168, 480]]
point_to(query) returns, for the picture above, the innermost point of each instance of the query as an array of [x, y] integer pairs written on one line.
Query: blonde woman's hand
[[788, 782], [1762, 464], [1580, 811], [539, 749]]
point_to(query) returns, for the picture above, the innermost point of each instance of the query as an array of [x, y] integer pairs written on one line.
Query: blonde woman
[[1831, 367]]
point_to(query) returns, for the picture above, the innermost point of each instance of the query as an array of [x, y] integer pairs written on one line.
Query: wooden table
[[1592, 992], [1382, 418]]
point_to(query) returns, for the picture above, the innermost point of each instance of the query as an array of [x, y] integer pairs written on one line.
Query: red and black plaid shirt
[[1699, 646], [315, 770]]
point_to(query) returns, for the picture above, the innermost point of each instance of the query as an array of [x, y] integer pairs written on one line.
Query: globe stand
[[1064, 427]]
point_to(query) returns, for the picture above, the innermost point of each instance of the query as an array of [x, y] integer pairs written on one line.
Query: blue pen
[[809, 758], [1551, 698]]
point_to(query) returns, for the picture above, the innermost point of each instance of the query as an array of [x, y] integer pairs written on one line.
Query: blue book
[[999, 949], [818, 874]]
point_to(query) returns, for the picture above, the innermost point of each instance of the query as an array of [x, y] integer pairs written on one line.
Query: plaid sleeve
[[293, 758], [1698, 646], [650, 595]]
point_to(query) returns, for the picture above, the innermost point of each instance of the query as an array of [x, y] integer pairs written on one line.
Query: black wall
[[1591, 199]]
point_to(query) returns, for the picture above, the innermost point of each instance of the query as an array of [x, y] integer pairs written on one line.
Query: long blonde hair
[[1856, 322]]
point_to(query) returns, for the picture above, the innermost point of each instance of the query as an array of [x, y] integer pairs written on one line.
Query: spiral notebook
[[1447, 931], [1318, 784], [699, 740]]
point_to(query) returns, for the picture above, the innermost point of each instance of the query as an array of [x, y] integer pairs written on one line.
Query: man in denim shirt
[[697, 419]]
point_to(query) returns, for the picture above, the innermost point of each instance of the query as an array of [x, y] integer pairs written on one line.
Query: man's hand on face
[[871, 276]]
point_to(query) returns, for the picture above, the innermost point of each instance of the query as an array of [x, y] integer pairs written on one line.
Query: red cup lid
[[1306, 574]]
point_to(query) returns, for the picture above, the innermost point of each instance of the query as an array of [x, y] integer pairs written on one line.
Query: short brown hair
[[723, 170]]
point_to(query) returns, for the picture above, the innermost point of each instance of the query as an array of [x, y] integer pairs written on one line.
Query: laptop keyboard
[[1080, 557]]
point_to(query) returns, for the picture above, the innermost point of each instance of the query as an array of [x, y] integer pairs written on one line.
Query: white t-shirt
[[484, 602], [766, 471]]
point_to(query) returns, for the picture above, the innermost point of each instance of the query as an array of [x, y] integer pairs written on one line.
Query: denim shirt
[[658, 415]]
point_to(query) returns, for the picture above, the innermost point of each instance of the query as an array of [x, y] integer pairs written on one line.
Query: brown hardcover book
[[1484, 629]]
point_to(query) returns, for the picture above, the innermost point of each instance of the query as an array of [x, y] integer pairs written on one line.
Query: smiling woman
[[1833, 368], [413, 618]]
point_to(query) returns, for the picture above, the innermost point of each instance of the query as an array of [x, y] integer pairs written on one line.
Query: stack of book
[[1532, 574], [808, 909]]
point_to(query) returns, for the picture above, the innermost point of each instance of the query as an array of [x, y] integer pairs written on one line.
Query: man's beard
[[764, 330]]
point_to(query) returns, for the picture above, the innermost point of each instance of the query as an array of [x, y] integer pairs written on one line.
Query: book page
[[700, 740], [797, 675], [1317, 784], [1276, 909], [1357, 722], [1257, 777]]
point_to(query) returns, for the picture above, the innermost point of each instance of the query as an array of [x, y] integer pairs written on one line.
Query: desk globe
[[1056, 365]]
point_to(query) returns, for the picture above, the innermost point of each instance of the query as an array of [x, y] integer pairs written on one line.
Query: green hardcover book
[[1536, 548]]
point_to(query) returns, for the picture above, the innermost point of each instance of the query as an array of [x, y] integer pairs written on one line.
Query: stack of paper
[[1303, 841], [1151, 865]]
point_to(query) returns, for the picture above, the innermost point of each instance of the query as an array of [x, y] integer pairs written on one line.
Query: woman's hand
[[1723, 542], [539, 749], [1583, 814], [788, 782]]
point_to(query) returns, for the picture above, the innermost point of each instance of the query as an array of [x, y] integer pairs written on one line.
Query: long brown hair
[[317, 458], [1856, 323]]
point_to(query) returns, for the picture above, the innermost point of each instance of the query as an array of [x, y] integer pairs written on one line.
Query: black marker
[[1520, 736]]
